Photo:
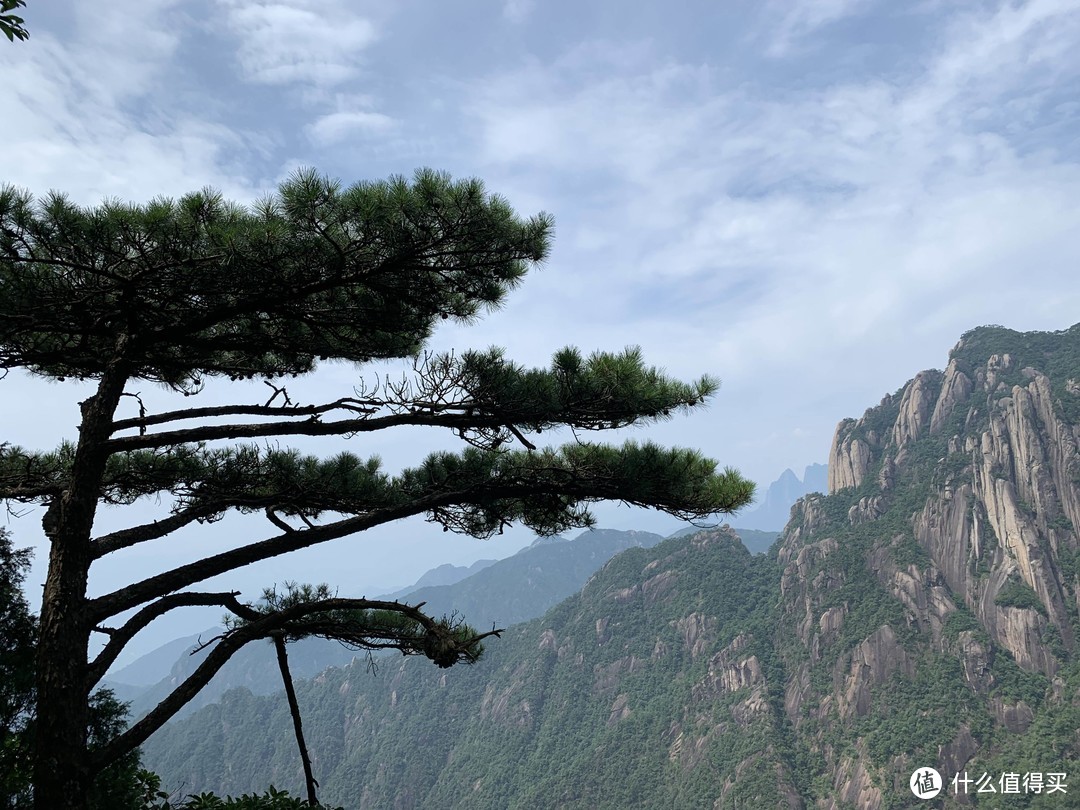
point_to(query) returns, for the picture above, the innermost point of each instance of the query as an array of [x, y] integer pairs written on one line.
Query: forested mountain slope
[[567, 710], [923, 613], [502, 593], [930, 602]]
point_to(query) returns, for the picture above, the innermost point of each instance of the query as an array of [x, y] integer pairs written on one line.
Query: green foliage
[[154, 798], [312, 271], [1019, 594], [1052, 640], [1015, 684], [1062, 524], [18, 631], [445, 641], [542, 488], [907, 552], [11, 25], [919, 713], [273, 799], [962, 620], [1069, 563]]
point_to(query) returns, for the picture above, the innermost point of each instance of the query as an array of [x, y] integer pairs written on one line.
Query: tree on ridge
[[174, 292]]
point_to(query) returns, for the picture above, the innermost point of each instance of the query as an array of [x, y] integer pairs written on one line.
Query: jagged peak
[[987, 454], [991, 358]]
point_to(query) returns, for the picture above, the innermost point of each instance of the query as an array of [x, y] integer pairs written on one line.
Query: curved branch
[[272, 516], [266, 626], [153, 587], [309, 427], [517, 433], [156, 586], [124, 538], [119, 637]]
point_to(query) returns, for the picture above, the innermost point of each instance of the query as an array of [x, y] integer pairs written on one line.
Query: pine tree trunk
[[61, 765], [61, 778]]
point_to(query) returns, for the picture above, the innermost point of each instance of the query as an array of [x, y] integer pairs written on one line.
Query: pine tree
[[177, 292], [120, 784]]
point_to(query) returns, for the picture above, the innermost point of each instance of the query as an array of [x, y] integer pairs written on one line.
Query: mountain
[[526, 584], [155, 665], [445, 574], [756, 542], [449, 574], [922, 614], [930, 609], [501, 593], [582, 708], [775, 508]]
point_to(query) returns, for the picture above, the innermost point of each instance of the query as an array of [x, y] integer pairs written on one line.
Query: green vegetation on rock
[[888, 627]]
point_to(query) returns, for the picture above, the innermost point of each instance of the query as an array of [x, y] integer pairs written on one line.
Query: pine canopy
[[201, 286], [174, 292]]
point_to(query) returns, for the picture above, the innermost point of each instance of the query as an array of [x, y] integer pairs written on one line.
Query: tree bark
[[62, 774]]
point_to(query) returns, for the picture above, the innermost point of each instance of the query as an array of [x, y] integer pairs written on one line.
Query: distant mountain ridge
[[445, 574], [925, 612], [773, 511], [502, 593], [152, 667]]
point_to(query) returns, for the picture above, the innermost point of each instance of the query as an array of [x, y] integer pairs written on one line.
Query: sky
[[809, 199]]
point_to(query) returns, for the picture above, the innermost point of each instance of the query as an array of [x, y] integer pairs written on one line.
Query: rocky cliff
[[923, 613], [942, 568]]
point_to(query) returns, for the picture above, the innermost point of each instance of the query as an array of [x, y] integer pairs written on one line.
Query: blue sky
[[810, 200]]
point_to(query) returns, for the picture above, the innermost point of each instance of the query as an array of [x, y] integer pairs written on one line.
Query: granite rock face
[[922, 613], [1004, 493], [954, 503]]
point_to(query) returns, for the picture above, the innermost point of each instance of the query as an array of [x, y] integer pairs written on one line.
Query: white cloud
[[841, 238], [335, 127], [792, 20], [93, 120], [317, 43]]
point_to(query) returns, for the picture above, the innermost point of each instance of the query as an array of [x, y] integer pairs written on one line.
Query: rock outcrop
[[923, 613], [948, 544]]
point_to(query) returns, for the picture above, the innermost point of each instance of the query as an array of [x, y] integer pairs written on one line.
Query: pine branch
[[479, 493], [125, 538], [342, 427], [346, 403], [443, 642], [119, 637], [154, 587]]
